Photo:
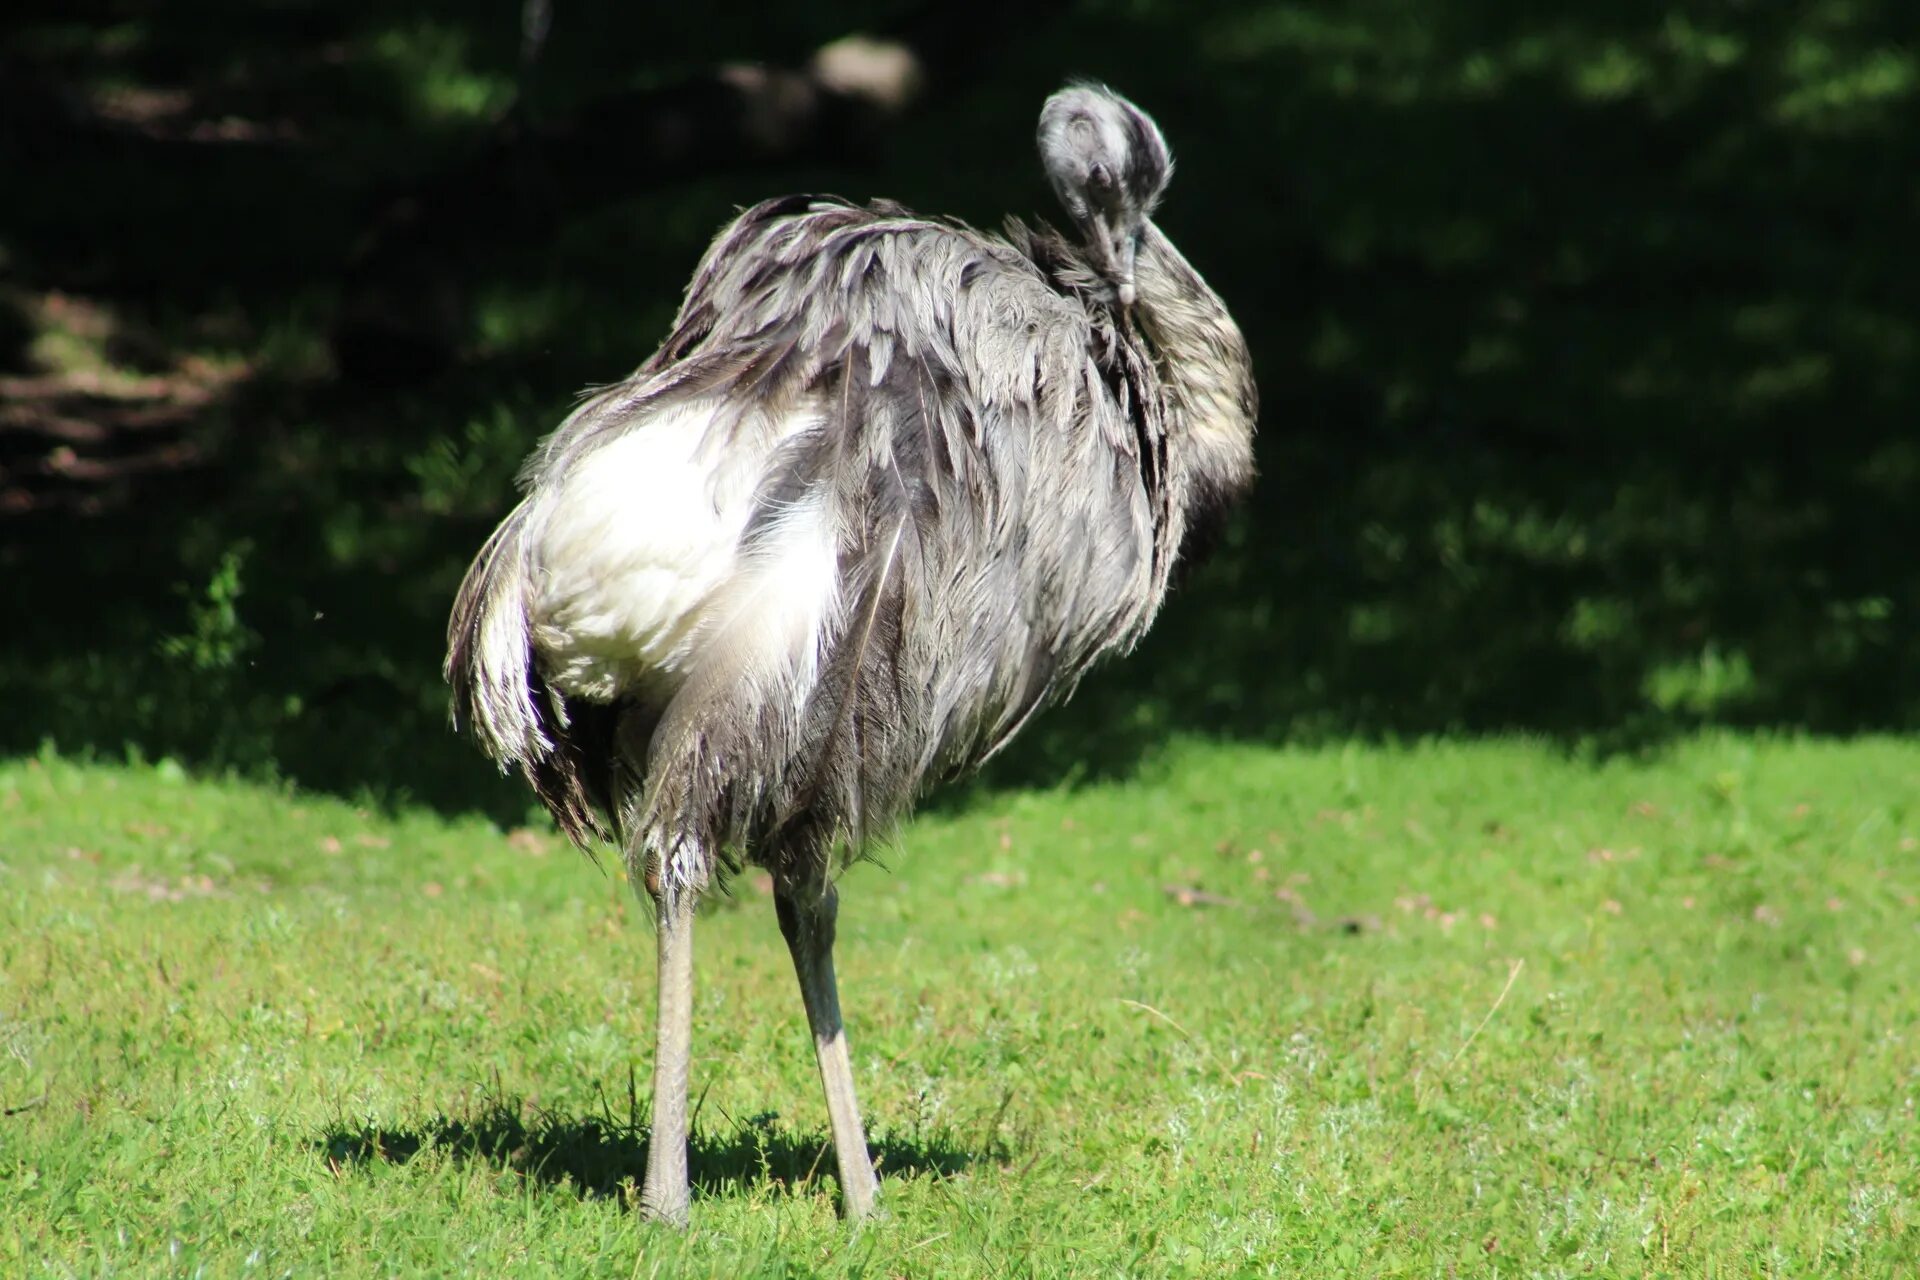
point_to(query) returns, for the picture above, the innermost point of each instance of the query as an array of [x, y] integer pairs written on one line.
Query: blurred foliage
[[1588, 337]]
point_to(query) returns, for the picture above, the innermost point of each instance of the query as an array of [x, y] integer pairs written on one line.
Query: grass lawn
[[1453, 1009]]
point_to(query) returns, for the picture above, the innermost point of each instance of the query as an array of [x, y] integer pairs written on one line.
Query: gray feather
[[1007, 460]]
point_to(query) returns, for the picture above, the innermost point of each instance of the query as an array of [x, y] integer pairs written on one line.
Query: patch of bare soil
[[80, 433]]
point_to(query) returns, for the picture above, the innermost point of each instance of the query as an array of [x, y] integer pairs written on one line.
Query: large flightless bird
[[890, 487]]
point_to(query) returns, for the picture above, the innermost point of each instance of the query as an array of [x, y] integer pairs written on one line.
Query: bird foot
[[860, 1199], [665, 1208]]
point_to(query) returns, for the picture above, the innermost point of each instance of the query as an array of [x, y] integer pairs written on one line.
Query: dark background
[[1586, 333]]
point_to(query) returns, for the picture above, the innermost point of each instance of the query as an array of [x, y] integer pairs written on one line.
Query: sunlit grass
[[1355, 1011]]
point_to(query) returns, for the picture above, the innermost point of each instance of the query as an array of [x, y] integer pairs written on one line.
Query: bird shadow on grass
[[605, 1157]]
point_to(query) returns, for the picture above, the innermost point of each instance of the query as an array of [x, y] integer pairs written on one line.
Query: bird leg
[[807, 916], [665, 1196]]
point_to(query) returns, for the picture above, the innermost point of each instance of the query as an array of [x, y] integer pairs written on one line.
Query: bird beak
[[1125, 253]]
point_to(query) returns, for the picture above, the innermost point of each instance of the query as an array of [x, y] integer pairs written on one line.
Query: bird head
[[1109, 165]]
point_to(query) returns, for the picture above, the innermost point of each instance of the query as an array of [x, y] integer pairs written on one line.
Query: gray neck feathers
[[1204, 365]]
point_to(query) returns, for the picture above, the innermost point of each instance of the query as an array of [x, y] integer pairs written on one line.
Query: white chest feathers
[[639, 575]]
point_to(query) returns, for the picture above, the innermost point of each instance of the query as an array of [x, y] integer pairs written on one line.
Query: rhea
[[889, 487]]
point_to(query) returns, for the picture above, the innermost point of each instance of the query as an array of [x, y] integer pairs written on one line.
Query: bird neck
[[1203, 364]]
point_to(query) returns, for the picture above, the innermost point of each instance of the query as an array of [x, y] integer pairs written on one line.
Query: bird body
[[889, 487]]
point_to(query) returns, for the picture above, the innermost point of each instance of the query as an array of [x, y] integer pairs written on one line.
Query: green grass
[[1454, 1009]]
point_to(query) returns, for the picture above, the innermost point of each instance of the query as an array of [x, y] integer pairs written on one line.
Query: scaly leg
[[665, 1197], [807, 919]]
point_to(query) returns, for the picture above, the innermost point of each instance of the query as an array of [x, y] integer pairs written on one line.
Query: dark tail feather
[[500, 697]]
